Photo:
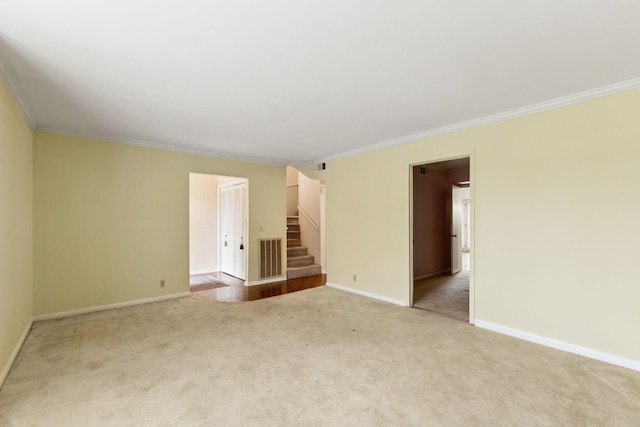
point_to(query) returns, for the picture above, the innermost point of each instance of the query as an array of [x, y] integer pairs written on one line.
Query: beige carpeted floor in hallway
[[446, 294], [319, 357]]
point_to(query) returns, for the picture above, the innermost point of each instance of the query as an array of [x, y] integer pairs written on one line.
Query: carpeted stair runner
[[299, 263]]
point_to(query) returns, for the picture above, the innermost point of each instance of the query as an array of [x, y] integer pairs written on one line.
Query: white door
[[233, 229], [456, 229]]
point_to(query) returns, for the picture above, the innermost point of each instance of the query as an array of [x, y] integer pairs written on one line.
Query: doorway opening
[[306, 249], [218, 231], [441, 224]]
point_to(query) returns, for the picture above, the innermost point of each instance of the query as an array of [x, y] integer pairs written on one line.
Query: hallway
[[445, 294]]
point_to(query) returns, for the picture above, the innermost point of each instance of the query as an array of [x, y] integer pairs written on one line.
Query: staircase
[[299, 264]]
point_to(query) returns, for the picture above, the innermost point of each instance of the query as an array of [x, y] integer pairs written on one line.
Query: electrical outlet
[[162, 284]]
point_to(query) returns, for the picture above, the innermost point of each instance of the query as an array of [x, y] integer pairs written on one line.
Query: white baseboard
[[437, 273], [108, 306], [13, 356], [561, 345], [368, 294], [264, 282]]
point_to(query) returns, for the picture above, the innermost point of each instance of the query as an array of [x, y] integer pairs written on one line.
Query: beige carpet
[[446, 294], [319, 357]]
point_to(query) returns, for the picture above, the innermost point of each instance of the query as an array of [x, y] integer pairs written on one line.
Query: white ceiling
[[290, 81]]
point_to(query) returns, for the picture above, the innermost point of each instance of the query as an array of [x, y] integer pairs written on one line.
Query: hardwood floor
[[237, 291]]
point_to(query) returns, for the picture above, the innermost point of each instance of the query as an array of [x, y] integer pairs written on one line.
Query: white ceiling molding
[[542, 106], [535, 108], [17, 95], [158, 146], [298, 82]]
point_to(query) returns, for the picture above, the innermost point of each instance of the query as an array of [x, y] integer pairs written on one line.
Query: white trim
[[13, 87], [16, 350], [266, 281], [368, 294], [561, 345], [426, 276], [542, 106], [535, 108], [160, 146], [108, 306]]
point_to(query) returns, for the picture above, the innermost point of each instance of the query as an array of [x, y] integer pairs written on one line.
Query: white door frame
[[443, 158], [456, 229]]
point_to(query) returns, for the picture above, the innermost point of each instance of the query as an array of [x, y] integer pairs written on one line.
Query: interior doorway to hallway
[[218, 231], [441, 239]]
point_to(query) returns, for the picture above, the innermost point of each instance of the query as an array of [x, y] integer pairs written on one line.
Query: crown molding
[[17, 95], [535, 108], [159, 146]]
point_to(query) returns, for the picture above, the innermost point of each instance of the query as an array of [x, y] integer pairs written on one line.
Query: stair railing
[[308, 218]]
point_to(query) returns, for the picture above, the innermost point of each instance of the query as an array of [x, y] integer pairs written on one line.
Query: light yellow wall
[[16, 225], [556, 229], [112, 220]]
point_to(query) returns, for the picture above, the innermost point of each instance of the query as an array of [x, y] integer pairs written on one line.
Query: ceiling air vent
[[319, 167]]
